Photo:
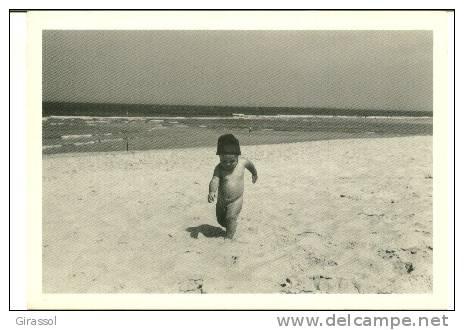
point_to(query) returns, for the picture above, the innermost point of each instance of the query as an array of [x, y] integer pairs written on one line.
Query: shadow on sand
[[206, 230]]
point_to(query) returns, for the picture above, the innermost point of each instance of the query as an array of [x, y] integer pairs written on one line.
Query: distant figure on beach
[[228, 181], [249, 131]]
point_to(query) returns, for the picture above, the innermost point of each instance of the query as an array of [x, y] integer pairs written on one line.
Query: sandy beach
[[337, 216]]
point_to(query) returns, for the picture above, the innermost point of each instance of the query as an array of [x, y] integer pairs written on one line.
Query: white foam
[[137, 118], [52, 146], [83, 143], [169, 117], [66, 137]]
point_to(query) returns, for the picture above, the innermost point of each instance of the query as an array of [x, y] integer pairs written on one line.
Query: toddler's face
[[228, 162]]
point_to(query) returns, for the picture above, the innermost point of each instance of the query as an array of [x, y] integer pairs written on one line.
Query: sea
[[77, 133]]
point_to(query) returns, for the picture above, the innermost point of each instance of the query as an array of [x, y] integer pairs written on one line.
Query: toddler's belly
[[230, 191], [228, 211]]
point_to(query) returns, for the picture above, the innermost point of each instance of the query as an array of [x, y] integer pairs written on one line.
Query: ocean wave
[[83, 143], [52, 146], [67, 137]]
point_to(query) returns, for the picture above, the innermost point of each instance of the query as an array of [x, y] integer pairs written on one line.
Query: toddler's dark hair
[[228, 145]]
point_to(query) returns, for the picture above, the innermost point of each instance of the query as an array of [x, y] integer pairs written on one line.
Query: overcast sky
[[340, 69]]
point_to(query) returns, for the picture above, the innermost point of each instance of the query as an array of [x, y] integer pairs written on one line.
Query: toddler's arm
[[251, 167], [213, 185]]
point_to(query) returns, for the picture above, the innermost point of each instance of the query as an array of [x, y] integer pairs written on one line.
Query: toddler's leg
[[221, 214], [231, 216], [231, 227]]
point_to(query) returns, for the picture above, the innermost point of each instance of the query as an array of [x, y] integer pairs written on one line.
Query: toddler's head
[[228, 149]]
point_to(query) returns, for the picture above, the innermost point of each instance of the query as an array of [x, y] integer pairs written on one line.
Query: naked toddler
[[228, 182]]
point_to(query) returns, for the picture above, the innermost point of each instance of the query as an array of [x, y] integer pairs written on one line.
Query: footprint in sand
[[119, 287], [351, 244], [322, 261], [252, 230], [319, 284], [191, 286], [292, 285], [403, 267]]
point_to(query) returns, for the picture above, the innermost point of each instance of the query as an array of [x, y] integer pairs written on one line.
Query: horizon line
[[237, 106]]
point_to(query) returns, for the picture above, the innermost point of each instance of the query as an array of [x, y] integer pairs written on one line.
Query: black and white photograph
[[237, 161]]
